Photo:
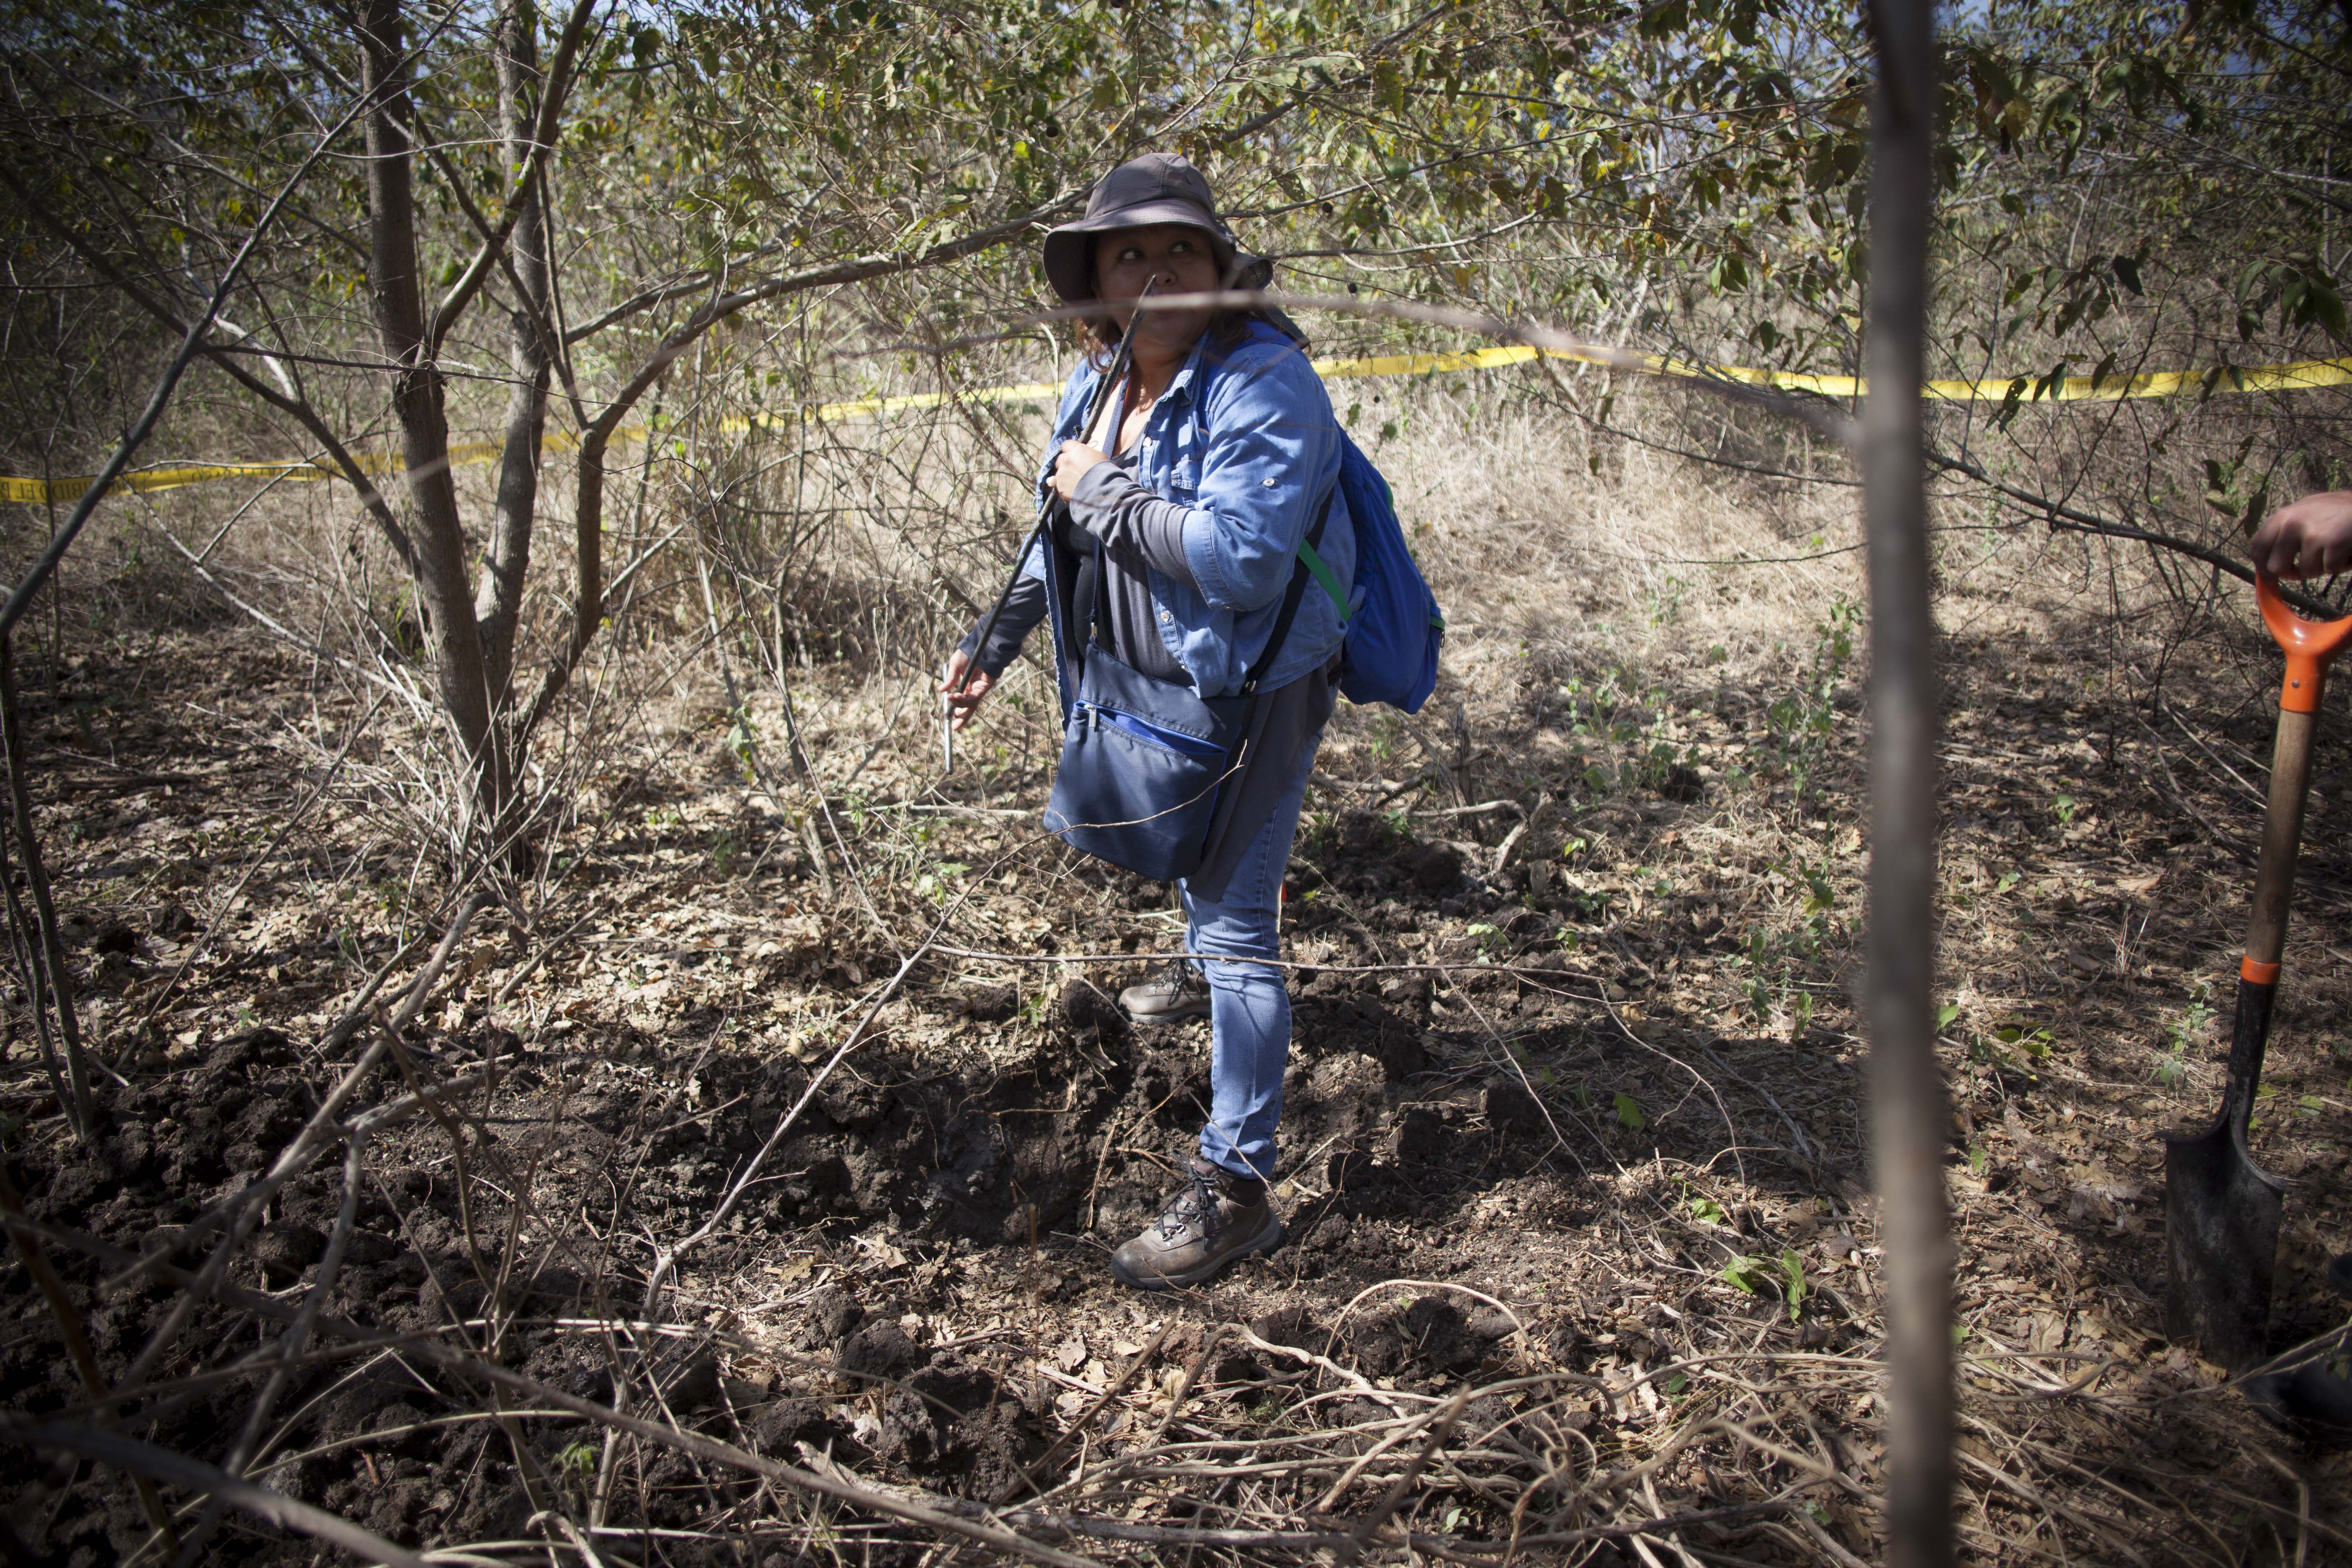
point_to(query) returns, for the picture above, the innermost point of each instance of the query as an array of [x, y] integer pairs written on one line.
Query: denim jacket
[[1244, 442]]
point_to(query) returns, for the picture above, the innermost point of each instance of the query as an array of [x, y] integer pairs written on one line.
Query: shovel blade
[[2222, 1230]]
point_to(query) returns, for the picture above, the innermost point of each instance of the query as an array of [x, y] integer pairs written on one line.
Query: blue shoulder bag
[[1144, 761]]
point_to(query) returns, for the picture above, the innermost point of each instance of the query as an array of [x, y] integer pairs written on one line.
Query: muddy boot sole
[[1265, 1241], [1172, 1015]]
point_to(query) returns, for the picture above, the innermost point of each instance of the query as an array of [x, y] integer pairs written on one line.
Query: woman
[[1188, 503]]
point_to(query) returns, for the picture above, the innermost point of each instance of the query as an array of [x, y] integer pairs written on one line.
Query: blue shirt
[[1244, 444]]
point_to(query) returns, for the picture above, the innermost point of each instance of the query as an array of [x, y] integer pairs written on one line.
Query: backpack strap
[[1298, 590], [1326, 576]]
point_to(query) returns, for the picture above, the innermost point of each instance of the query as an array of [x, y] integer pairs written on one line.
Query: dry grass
[[1625, 1308]]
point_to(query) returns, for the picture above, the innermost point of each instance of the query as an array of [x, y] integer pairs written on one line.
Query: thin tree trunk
[[1909, 1118], [48, 954], [397, 291], [498, 601]]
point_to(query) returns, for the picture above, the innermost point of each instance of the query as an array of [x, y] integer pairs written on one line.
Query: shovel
[[2221, 1209]]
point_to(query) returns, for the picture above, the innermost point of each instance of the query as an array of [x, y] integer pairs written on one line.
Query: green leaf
[[1744, 1275], [2126, 272], [1628, 1113], [1710, 1210], [1945, 1014], [1978, 1159], [1792, 1275]]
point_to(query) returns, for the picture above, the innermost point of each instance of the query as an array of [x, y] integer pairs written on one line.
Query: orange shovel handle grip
[[2308, 645]]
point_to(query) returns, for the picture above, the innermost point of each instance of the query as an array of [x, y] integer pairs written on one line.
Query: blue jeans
[[1249, 1004]]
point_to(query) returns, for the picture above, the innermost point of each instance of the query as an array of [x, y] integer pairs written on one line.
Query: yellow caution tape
[[2303, 376], [2298, 378]]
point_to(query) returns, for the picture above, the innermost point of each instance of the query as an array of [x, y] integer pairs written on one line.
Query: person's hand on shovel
[[2313, 537]]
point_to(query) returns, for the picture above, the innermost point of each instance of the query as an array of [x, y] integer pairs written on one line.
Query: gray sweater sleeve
[[1023, 608], [1137, 528]]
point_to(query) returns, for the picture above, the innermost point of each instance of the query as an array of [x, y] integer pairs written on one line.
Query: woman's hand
[[2313, 537], [1074, 458], [962, 704]]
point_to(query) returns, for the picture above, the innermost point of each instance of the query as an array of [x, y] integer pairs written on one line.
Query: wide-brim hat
[[1156, 188]]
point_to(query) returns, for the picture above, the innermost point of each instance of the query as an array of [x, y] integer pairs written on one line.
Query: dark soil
[[1587, 1143]]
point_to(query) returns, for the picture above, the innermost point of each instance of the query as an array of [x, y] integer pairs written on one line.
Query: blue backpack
[[1394, 636]]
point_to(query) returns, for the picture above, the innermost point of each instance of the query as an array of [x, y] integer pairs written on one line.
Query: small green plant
[[938, 884], [1675, 1383], [579, 1461], [742, 739], [1665, 604], [1629, 1114], [1945, 1016], [1746, 1275], [1978, 1159], [1709, 1211], [1801, 1013], [2182, 1032], [726, 855], [2028, 1042], [2008, 879], [1798, 727], [1792, 1282], [1489, 937], [2064, 806]]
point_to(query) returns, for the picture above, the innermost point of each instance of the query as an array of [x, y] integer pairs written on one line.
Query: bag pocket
[[1143, 762]]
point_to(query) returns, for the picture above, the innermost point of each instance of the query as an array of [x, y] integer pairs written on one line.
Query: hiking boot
[[1176, 992], [1213, 1219]]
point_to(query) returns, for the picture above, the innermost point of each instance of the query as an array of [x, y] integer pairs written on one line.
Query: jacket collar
[[1204, 361]]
